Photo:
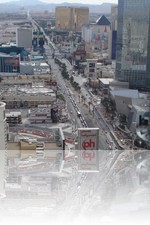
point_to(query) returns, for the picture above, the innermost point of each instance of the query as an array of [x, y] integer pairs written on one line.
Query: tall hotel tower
[[133, 43], [3, 148]]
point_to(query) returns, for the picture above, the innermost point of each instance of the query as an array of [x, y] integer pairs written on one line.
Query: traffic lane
[[92, 123], [73, 114], [87, 119], [104, 131], [68, 98]]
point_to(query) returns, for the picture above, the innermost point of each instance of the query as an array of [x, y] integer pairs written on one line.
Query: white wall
[[24, 38], [2, 149]]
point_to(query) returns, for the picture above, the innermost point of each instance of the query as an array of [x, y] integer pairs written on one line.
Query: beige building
[[71, 18], [24, 149], [27, 96]]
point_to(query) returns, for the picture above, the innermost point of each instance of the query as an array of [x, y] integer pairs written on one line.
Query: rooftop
[[106, 80], [126, 93], [103, 21], [26, 90]]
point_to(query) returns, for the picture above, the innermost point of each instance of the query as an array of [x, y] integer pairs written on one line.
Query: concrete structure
[[24, 37], [71, 18], [34, 68], [13, 118], [133, 48], [3, 148], [124, 99], [104, 84], [41, 114], [115, 85], [25, 149], [27, 96], [33, 154], [26, 68], [133, 105], [105, 71]]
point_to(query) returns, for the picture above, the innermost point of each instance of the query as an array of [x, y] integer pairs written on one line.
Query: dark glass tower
[[133, 43]]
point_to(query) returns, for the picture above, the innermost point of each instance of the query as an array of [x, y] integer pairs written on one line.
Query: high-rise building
[[133, 43], [71, 18], [24, 37], [113, 33], [3, 148]]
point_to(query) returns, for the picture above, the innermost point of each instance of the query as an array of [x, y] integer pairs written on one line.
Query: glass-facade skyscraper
[[133, 43]]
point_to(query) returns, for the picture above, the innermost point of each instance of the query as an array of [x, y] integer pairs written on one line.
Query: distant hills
[[36, 5]]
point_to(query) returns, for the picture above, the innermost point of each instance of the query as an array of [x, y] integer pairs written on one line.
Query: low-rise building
[[13, 118], [104, 84], [29, 153], [27, 96], [34, 68], [41, 114]]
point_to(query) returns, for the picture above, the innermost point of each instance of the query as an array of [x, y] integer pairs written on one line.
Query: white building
[[96, 35], [24, 37], [92, 68], [3, 147]]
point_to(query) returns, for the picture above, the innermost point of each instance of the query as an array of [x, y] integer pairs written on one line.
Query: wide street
[[87, 189], [72, 102]]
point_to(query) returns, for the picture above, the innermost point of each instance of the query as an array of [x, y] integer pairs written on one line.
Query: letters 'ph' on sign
[[88, 145]]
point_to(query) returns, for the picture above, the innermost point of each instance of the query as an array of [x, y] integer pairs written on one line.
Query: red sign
[[88, 149], [88, 144]]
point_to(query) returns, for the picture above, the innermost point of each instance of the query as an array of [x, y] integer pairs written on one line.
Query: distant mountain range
[[36, 5]]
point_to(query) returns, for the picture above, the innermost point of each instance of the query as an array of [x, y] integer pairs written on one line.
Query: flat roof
[[106, 80], [126, 93], [26, 90]]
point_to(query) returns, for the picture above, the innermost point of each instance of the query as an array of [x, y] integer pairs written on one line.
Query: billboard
[[88, 145]]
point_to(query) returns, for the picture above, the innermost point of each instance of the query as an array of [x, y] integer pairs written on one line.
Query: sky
[[74, 1], [83, 1]]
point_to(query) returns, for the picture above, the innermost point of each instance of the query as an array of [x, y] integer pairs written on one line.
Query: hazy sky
[[80, 1], [83, 1]]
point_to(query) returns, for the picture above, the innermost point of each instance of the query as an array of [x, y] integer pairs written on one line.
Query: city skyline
[[72, 1]]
